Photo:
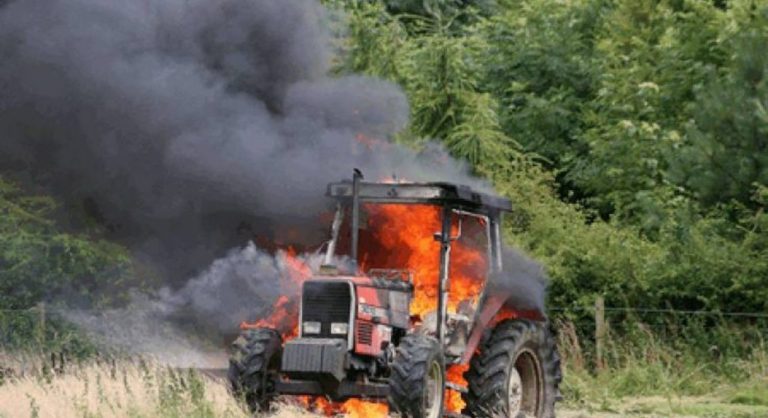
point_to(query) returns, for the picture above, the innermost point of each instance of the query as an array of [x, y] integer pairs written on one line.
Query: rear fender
[[494, 310]]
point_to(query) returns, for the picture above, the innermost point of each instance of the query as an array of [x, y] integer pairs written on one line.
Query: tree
[[37, 261], [725, 153]]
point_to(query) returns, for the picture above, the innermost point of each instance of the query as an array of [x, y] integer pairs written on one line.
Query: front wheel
[[516, 374], [253, 366], [417, 381]]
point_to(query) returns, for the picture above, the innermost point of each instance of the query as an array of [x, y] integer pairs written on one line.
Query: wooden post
[[41, 324], [600, 329]]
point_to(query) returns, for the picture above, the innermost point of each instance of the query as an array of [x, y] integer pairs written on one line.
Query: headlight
[[311, 327], [339, 327]]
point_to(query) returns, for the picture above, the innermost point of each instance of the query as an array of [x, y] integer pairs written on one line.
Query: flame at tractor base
[[358, 408], [453, 400], [353, 408]]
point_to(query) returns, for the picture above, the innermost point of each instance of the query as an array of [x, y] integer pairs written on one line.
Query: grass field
[[643, 378], [117, 390], [139, 389]]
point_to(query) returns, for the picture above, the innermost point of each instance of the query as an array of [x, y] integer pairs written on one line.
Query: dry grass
[[128, 389], [138, 389]]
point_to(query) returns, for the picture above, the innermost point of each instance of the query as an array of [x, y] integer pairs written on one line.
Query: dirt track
[[659, 407]]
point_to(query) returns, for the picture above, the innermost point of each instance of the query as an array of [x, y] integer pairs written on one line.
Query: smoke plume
[[181, 123], [523, 279], [177, 327], [189, 127]]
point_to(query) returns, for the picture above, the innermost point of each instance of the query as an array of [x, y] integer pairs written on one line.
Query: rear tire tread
[[487, 376]]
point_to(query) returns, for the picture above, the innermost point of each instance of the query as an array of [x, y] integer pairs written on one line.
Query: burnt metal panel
[[346, 389], [371, 389], [315, 356], [433, 193], [399, 307], [299, 387], [326, 301], [389, 284]]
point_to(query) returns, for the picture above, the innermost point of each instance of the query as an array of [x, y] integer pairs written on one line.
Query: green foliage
[[437, 7], [646, 72], [441, 69], [726, 152], [537, 64], [37, 260], [40, 262], [629, 134], [722, 362], [22, 330]]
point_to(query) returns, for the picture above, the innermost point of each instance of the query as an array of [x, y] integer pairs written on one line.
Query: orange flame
[[353, 408], [404, 235], [358, 408], [455, 374], [285, 310], [319, 404], [404, 238], [397, 236]]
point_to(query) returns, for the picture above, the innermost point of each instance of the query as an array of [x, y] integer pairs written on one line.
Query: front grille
[[326, 302], [364, 333]]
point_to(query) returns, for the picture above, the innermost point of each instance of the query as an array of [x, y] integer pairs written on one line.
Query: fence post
[[599, 332], [41, 324]]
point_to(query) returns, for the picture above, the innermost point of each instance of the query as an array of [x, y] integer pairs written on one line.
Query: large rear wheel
[[253, 366], [516, 374], [417, 381]]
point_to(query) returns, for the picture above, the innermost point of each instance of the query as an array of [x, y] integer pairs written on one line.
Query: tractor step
[[454, 386]]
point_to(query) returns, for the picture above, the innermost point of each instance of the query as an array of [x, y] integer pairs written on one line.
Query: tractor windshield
[[396, 236]]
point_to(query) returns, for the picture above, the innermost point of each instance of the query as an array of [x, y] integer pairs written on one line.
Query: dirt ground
[[649, 407], [659, 407]]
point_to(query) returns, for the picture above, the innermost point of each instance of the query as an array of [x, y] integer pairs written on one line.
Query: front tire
[[253, 367], [516, 374], [417, 381]]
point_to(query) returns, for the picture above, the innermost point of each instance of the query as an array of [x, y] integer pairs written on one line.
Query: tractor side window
[[469, 263]]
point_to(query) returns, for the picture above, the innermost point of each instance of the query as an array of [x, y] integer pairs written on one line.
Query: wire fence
[[34, 324], [49, 310], [42, 311], [46, 327], [607, 309], [662, 311]]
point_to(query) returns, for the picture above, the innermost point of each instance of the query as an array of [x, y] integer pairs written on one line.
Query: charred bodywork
[[347, 325]]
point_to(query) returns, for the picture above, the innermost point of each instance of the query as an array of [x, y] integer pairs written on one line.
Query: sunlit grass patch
[[122, 389]]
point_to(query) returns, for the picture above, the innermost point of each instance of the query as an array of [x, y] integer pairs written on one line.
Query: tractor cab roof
[[438, 193]]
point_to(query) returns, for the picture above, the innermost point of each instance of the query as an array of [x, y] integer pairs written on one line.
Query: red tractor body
[[359, 334]]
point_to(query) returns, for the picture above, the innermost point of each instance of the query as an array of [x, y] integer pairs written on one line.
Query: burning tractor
[[414, 317]]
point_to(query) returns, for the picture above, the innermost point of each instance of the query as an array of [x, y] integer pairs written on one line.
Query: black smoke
[[522, 279], [187, 127]]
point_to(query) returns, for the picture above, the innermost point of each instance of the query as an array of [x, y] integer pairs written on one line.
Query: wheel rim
[[433, 391], [515, 392], [524, 386]]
